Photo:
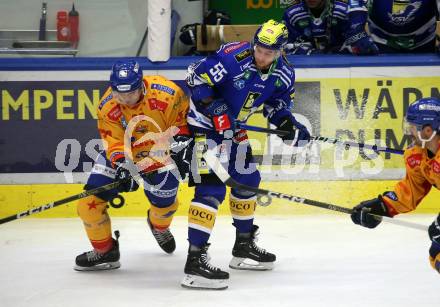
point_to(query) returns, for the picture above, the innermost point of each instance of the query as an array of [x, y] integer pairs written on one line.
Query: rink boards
[[49, 136]]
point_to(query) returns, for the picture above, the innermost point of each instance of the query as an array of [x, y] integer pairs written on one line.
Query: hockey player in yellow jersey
[[138, 118], [422, 162]]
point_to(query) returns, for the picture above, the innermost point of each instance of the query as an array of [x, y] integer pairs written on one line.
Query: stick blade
[[214, 163]]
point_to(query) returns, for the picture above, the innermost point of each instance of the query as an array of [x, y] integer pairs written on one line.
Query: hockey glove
[[181, 153], [434, 230], [361, 212], [298, 133], [128, 184], [219, 112], [360, 43]]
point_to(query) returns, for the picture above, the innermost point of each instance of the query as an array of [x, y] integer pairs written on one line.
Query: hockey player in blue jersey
[[404, 25], [228, 87], [328, 26]]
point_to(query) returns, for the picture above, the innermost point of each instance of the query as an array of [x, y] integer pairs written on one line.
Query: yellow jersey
[[143, 131], [422, 172]]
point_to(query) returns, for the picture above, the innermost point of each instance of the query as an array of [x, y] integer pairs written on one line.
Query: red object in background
[[73, 26], [62, 26]]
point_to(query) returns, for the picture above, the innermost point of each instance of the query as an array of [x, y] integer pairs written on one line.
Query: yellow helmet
[[271, 35]]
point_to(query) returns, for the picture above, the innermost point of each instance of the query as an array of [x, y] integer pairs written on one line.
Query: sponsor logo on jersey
[[152, 154], [234, 47], [391, 195], [243, 55], [105, 100], [278, 82], [259, 85], [241, 136], [141, 129], [104, 133], [164, 194], [436, 167], [414, 160], [239, 84], [115, 113], [156, 104], [303, 24], [403, 12], [163, 88], [220, 109], [245, 66], [247, 75]]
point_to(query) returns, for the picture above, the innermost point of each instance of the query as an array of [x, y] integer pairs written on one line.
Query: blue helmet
[[126, 76], [424, 112], [271, 35]]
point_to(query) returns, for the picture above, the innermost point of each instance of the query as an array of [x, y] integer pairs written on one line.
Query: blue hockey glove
[[219, 112], [375, 206], [298, 133], [128, 184], [360, 43]]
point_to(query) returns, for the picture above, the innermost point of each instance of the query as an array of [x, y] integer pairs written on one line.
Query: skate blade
[[99, 267], [249, 264], [200, 283]]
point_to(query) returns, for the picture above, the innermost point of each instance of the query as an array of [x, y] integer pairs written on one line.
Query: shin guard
[[242, 211], [93, 212], [161, 218]]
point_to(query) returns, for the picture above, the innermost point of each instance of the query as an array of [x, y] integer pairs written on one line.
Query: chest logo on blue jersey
[[403, 12], [243, 55], [163, 88], [239, 84]]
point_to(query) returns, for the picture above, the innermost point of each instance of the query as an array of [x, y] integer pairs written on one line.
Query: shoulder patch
[[163, 88], [243, 55], [105, 100]]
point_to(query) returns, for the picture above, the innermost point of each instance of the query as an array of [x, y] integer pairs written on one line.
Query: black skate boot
[[200, 274], [248, 256], [164, 238], [94, 261]]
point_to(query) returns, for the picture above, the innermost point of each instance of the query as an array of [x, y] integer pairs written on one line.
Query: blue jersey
[[339, 20], [231, 74], [403, 24]]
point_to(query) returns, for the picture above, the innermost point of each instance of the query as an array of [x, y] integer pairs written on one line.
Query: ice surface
[[322, 260]]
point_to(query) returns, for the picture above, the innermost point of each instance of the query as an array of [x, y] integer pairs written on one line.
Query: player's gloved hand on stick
[[181, 153], [219, 112], [128, 184], [361, 212], [298, 133]]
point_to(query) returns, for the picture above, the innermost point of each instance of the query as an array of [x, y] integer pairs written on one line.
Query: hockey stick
[[66, 200], [223, 175], [346, 144]]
